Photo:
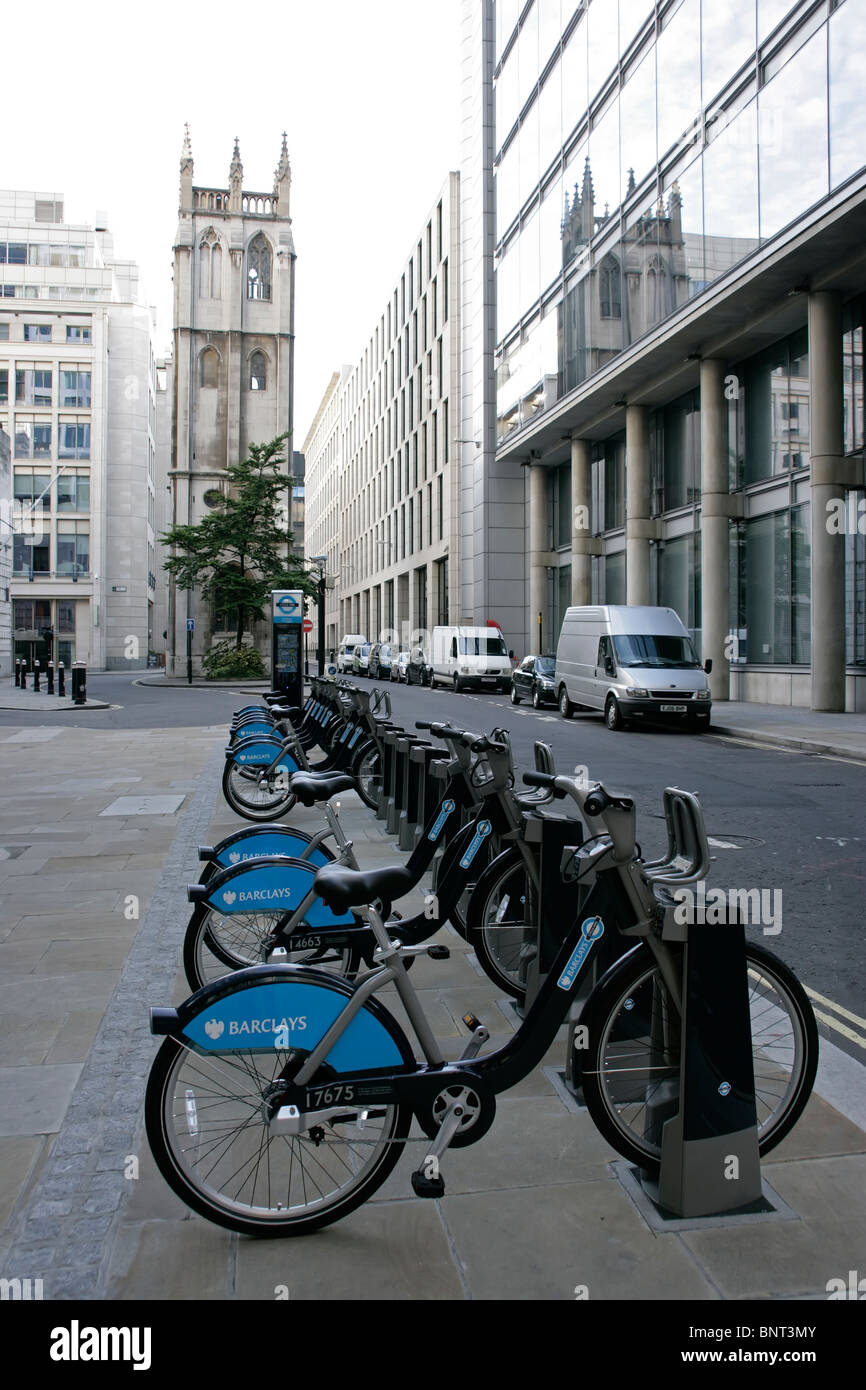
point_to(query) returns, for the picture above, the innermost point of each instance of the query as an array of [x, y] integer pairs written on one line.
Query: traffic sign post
[[190, 629], [287, 616]]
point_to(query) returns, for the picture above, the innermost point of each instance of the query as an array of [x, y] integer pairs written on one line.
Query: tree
[[236, 555]]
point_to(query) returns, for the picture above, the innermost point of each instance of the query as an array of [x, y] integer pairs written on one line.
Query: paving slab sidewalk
[[532, 1211]]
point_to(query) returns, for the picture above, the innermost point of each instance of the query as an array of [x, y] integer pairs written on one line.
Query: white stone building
[[398, 562], [323, 462], [77, 410]]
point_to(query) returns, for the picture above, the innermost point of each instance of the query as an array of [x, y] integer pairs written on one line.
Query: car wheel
[[515, 698], [566, 708], [536, 702], [612, 715], [456, 684]]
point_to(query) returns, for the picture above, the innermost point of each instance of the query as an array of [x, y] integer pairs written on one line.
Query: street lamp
[[321, 561]]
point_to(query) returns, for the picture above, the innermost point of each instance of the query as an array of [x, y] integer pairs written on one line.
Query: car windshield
[[662, 652], [545, 665], [385, 652], [483, 646]]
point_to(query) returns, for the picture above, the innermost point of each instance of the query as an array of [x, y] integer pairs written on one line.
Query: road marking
[[846, 1013], [722, 844], [840, 1028]]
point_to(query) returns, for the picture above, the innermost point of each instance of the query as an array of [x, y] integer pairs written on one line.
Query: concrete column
[[828, 546], [639, 528], [715, 513], [581, 521], [538, 551]]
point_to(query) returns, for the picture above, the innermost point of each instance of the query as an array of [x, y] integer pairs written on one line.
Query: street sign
[[308, 625], [190, 624]]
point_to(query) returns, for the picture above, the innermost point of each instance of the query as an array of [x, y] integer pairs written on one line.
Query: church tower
[[234, 346]]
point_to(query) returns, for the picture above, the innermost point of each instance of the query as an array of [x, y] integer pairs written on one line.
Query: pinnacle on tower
[[236, 168]]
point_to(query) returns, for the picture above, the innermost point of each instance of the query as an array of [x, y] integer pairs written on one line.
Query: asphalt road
[[783, 821]]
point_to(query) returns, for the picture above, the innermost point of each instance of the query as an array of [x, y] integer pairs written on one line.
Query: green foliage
[[226, 661], [239, 553]]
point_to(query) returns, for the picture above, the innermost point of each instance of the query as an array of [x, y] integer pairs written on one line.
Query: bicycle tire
[[632, 993], [367, 771], [204, 1117], [215, 945], [499, 917], [257, 804]]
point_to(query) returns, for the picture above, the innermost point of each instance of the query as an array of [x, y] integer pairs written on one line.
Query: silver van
[[637, 665]]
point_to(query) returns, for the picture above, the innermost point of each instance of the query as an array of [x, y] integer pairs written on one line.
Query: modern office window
[[4, 385], [794, 169], [73, 549], [13, 253], [32, 438], [74, 438], [33, 385], [259, 268], [77, 334], [772, 593], [74, 387], [37, 332], [4, 332], [73, 492], [441, 507], [258, 372], [774, 400], [28, 487], [852, 374], [31, 555]]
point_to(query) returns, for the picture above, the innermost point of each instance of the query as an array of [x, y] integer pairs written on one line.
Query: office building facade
[[668, 265], [323, 468], [77, 421], [399, 561]]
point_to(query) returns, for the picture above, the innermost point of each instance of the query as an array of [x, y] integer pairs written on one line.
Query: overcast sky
[[96, 97]]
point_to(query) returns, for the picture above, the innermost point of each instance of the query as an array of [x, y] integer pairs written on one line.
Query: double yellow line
[[858, 1038]]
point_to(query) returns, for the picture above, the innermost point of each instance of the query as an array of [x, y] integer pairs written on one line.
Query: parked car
[[361, 658], [634, 663], [346, 651], [534, 679], [381, 661], [398, 669], [475, 657], [418, 668]]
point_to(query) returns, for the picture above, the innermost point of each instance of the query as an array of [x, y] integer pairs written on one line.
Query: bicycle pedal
[[438, 953], [396, 916], [471, 1022], [427, 1187]]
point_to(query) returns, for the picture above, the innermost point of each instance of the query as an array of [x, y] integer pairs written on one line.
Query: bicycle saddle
[[310, 787], [341, 888]]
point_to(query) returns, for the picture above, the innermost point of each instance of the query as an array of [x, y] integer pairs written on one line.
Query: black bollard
[[17, 671], [61, 679], [51, 678], [36, 676], [79, 683]]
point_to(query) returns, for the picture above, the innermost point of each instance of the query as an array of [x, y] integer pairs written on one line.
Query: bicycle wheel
[[217, 944], [501, 922], [631, 1080], [207, 1128], [367, 771], [254, 800]]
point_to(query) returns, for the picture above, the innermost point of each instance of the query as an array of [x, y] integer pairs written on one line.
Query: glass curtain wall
[[634, 168]]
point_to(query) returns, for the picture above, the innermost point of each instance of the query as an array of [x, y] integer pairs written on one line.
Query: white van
[[470, 657], [635, 664], [346, 651]]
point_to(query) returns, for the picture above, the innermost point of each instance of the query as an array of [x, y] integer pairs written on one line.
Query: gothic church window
[[258, 372], [611, 293], [259, 269], [209, 366], [210, 266]]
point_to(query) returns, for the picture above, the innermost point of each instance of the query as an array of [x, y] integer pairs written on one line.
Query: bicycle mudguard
[[259, 728], [267, 842], [259, 752], [266, 1009], [268, 884]]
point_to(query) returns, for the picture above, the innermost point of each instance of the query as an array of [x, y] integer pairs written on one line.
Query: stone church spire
[[236, 178], [283, 180], [186, 170]]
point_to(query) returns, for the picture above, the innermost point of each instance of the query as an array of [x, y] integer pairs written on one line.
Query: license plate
[[673, 709]]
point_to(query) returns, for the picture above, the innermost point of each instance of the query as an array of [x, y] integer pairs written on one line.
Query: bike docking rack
[[710, 1161], [423, 759]]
